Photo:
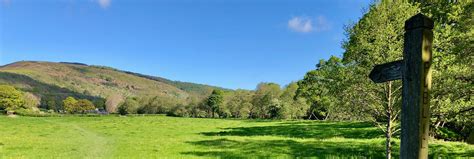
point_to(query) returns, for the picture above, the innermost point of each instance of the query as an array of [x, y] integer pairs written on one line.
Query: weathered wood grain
[[416, 79], [387, 72]]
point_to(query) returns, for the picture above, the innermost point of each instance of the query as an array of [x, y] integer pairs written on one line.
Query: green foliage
[[70, 105], [239, 103], [84, 105], [31, 100], [50, 103], [215, 101], [99, 104], [341, 90], [10, 98], [452, 102], [321, 87], [129, 106], [179, 111], [266, 96]]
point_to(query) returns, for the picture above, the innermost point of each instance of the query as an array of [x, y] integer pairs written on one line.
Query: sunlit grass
[[159, 136]]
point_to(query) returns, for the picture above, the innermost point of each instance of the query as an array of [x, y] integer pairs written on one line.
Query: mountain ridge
[[61, 79]]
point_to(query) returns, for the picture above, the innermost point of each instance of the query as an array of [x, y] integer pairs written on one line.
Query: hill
[[59, 80]]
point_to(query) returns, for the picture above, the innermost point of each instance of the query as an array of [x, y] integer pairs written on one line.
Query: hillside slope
[[80, 80]]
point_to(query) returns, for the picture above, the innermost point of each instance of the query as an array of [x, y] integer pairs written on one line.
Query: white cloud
[[300, 24], [104, 3], [306, 24]]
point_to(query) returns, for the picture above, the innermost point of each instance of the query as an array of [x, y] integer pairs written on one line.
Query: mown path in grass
[[95, 145], [160, 136]]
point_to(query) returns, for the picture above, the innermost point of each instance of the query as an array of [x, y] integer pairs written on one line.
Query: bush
[[84, 105], [179, 111], [71, 105], [122, 110], [129, 106], [10, 98], [35, 113]]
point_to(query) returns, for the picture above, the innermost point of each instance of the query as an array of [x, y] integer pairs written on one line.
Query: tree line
[[338, 88]]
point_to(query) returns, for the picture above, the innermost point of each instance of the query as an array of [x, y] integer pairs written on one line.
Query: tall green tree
[[292, 106], [239, 103], [321, 88], [378, 38], [215, 101], [452, 103], [266, 95]]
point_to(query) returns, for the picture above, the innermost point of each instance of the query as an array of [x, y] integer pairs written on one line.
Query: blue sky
[[228, 43]]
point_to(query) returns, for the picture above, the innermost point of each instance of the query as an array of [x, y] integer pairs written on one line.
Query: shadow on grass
[[315, 130], [356, 140], [225, 148]]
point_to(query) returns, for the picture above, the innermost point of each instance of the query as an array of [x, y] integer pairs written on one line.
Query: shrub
[[129, 106], [10, 98], [84, 105], [70, 105]]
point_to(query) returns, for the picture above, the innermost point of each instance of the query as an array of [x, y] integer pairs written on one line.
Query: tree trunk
[[388, 132], [388, 144]]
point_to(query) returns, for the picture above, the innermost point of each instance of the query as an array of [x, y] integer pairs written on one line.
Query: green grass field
[[160, 136]]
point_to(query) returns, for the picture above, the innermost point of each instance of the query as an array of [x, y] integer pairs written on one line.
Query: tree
[[275, 109], [99, 103], [31, 100], [292, 106], [112, 102], [50, 102], [452, 104], [215, 101], [10, 98], [322, 87], [84, 105], [369, 44], [263, 99], [239, 103], [129, 106], [70, 105]]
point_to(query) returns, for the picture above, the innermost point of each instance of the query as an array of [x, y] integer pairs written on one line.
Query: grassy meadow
[[170, 137]]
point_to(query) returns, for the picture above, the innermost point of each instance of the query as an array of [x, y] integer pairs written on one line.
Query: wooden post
[[416, 76]]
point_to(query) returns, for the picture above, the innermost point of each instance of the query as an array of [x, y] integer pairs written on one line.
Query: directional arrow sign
[[387, 72]]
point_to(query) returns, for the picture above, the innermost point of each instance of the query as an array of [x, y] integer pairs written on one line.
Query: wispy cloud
[[104, 3], [322, 24], [307, 24], [300, 24], [5, 2]]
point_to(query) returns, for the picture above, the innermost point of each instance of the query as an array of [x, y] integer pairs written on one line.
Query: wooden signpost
[[415, 72]]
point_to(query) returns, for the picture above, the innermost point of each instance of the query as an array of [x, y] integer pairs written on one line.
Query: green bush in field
[[71, 105], [84, 105], [129, 106], [10, 98]]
